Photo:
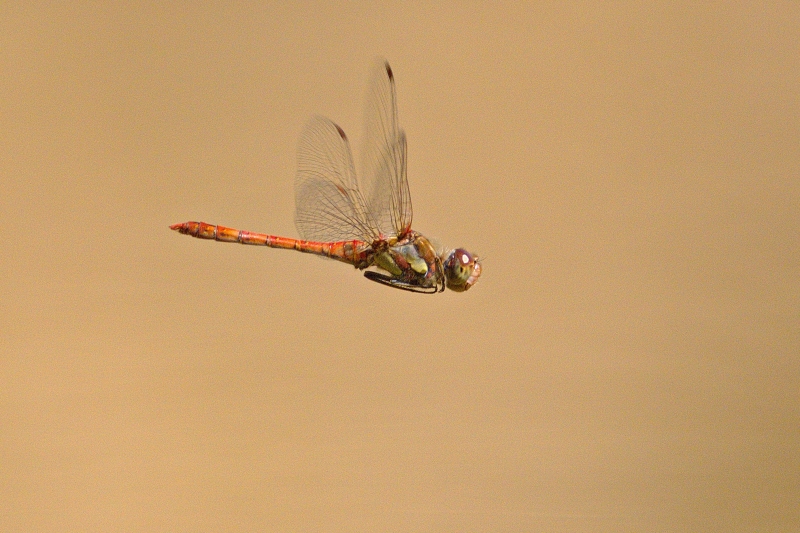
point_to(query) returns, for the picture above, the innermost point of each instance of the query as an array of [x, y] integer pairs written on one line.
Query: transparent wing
[[383, 170], [328, 204]]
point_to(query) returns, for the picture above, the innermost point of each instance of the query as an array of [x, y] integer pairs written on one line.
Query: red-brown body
[[355, 252], [410, 263]]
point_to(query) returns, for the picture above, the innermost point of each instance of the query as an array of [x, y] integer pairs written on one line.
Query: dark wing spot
[[389, 71], [341, 132]]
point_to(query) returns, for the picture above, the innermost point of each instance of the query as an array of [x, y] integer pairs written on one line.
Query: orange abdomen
[[353, 252]]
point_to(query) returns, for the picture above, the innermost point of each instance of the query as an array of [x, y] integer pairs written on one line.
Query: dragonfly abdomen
[[352, 252]]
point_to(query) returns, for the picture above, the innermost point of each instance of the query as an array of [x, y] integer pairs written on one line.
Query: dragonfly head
[[461, 269]]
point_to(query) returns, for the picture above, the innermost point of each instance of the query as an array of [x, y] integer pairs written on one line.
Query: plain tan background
[[628, 361]]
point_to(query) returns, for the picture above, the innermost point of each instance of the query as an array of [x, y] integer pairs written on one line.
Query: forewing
[[328, 204], [384, 180]]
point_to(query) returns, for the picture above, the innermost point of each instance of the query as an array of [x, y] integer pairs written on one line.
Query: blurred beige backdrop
[[628, 361]]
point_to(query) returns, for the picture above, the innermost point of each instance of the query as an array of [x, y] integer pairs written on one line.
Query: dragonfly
[[365, 223]]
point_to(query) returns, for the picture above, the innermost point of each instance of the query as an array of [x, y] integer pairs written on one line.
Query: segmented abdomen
[[353, 252]]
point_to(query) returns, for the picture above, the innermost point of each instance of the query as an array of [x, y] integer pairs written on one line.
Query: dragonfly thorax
[[411, 263]]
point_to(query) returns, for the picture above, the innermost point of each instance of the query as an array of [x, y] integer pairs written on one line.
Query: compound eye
[[464, 257]]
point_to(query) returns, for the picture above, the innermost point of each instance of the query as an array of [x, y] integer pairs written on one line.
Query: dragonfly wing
[[384, 180], [328, 204]]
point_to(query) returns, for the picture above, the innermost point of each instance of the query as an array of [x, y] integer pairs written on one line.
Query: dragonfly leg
[[389, 281]]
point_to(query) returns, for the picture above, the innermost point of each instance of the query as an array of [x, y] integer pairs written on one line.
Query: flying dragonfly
[[365, 223]]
